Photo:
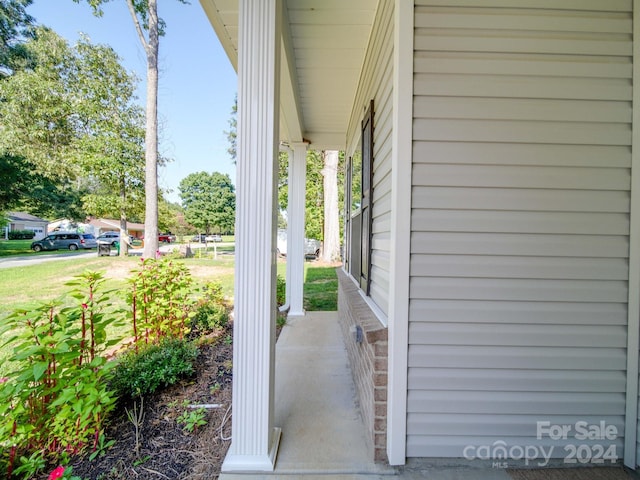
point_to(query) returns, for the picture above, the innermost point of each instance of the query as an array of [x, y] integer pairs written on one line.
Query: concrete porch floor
[[322, 433]]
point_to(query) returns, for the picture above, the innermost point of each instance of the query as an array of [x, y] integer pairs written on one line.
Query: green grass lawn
[[320, 288]]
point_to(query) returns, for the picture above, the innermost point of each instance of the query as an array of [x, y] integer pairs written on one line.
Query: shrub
[[281, 290], [21, 235], [56, 401], [160, 301], [210, 316], [212, 311], [154, 366]]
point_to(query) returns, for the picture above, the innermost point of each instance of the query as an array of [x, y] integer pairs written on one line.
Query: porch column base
[[239, 463], [296, 314]]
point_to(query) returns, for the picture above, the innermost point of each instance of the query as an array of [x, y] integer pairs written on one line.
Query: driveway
[[26, 260]]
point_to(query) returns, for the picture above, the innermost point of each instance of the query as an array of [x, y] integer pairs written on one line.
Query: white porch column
[[255, 441], [295, 228]]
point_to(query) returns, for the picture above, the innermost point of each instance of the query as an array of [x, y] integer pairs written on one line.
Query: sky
[[197, 82]]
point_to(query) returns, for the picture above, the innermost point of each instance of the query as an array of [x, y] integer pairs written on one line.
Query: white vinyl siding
[[520, 221], [376, 83]]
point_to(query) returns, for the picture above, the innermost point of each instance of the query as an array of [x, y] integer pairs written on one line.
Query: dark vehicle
[[64, 240]]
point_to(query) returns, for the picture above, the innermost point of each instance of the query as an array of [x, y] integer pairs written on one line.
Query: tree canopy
[[71, 130], [209, 201]]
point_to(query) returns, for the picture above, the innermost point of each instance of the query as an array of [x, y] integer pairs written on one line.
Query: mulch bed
[[166, 450]]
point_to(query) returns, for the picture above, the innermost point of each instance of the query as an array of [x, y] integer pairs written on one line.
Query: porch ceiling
[[323, 47]]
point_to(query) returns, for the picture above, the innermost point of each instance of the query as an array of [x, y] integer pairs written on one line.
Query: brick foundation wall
[[368, 361]]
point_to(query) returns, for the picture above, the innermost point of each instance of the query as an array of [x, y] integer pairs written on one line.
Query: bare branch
[[136, 22]]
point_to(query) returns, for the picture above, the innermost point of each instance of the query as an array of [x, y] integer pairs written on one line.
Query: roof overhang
[[323, 47]]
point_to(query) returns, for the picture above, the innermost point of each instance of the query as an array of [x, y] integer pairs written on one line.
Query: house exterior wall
[[376, 82], [520, 222]]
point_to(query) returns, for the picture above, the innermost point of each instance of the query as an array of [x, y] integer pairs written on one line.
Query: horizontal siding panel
[[477, 311], [522, 20], [521, 109], [520, 222], [582, 5], [518, 289], [521, 131], [522, 335], [581, 178], [541, 403], [543, 268], [380, 259], [502, 425], [454, 446], [509, 380], [488, 63], [501, 86], [382, 223], [526, 358], [515, 41], [605, 246], [521, 199], [474, 153], [382, 205]]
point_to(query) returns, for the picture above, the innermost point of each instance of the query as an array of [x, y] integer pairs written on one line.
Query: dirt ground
[[164, 450]]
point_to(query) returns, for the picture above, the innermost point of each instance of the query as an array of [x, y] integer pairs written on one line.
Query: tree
[[144, 14], [113, 143], [331, 244], [70, 122], [15, 26], [209, 201]]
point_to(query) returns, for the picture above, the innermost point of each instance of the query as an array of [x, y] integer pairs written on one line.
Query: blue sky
[[197, 82]]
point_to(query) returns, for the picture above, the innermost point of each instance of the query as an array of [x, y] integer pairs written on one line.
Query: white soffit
[[324, 46]]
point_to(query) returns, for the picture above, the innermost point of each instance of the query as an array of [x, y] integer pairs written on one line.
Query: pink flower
[[57, 473], [84, 305]]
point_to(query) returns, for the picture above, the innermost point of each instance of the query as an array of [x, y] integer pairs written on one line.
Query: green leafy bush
[[55, 402], [21, 235], [281, 290], [210, 316], [154, 366], [160, 299], [212, 310]]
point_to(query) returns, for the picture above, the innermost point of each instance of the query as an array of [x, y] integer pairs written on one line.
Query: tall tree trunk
[[331, 248], [124, 236], [151, 138]]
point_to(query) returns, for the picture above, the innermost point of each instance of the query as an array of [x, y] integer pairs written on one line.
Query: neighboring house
[[26, 221], [493, 215], [101, 225]]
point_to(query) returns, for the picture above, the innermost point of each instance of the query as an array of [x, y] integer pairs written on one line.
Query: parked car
[[65, 240], [311, 246], [166, 237], [203, 237], [112, 238]]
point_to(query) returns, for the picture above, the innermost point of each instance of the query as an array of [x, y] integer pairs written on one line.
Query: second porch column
[[295, 226], [255, 440]]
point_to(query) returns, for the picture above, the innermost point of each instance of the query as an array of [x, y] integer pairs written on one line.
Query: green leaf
[[39, 369]]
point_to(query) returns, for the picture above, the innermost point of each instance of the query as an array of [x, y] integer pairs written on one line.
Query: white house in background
[[493, 233], [26, 221]]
